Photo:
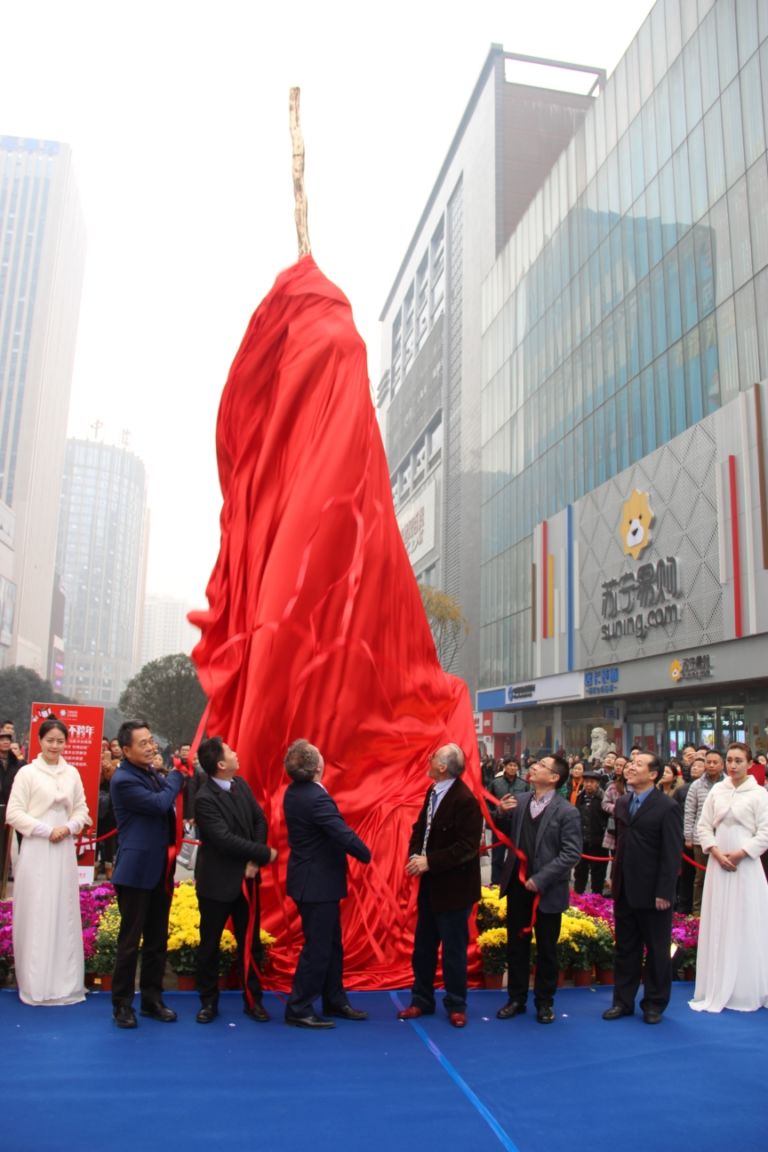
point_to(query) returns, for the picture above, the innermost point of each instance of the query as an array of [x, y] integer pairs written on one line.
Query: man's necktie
[[430, 813], [634, 805]]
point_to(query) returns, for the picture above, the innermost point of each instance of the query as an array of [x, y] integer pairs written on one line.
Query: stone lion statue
[[600, 746]]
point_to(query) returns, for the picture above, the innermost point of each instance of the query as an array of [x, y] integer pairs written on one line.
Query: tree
[[447, 622], [167, 694], [19, 688]]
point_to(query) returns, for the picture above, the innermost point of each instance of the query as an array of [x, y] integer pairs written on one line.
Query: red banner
[[83, 751]]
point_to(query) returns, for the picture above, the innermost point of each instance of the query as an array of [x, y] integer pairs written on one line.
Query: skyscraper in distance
[[42, 254], [101, 558]]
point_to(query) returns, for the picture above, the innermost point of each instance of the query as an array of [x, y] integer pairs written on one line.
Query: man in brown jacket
[[444, 854]]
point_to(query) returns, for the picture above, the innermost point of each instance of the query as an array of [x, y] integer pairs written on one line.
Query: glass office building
[[628, 310]]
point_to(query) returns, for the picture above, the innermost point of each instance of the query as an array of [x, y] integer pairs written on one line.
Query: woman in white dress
[[47, 806], [732, 960]]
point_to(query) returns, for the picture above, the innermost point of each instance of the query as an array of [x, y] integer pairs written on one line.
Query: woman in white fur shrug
[[47, 806], [732, 958]]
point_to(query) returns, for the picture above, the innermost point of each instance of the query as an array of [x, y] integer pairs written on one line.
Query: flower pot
[[689, 972], [605, 975], [582, 977], [493, 979], [185, 982], [565, 976], [103, 981]]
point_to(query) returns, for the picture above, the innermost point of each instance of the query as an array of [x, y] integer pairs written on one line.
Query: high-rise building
[[624, 506], [42, 251], [101, 558], [166, 630], [520, 116]]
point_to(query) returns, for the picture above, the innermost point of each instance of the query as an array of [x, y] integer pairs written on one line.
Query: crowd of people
[[691, 835], [688, 835]]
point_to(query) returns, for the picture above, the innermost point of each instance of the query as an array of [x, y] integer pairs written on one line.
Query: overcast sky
[[177, 114]]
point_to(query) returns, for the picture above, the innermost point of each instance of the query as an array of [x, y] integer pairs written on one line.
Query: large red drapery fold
[[315, 626]]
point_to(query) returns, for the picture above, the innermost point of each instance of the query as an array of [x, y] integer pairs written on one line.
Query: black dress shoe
[[258, 1012], [545, 1014], [616, 1012], [346, 1013], [207, 1013], [510, 1009], [156, 1010], [652, 1016], [310, 1021], [124, 1016]]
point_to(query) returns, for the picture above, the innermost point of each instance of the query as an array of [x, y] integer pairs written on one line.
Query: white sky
[[177, 114]]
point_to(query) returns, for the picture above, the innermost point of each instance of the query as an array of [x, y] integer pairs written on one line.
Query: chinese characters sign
[[640, 599]]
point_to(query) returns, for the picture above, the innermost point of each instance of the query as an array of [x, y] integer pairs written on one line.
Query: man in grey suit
[[546, 831]]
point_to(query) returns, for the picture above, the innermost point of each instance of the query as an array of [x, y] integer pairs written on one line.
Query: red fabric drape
[[315, 626]]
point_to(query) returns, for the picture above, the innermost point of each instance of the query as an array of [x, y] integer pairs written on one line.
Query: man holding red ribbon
[[233, 830], [545, 831], [443, 854]]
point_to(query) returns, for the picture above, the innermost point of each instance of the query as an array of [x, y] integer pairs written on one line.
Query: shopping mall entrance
[[716, 725]]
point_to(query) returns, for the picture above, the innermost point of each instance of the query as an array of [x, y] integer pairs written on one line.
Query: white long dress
[[47, 926], [732, 959]]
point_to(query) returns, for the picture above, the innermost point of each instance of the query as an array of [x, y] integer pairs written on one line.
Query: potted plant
[[603, 952], [584, 935], [567, 948], [491, 910], [493, 955], [685, 937], [100, 947], [6, 941], [184, 934]]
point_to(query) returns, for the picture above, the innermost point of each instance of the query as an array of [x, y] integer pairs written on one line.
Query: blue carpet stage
[[71, 1079]]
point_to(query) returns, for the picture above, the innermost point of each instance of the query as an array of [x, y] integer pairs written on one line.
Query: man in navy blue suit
[[143, 804], [320, 841]]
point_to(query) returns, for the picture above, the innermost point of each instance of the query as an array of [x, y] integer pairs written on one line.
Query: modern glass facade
[[631, 300]]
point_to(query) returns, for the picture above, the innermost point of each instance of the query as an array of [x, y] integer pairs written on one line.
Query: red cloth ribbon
[[483, 796], [315, 626]]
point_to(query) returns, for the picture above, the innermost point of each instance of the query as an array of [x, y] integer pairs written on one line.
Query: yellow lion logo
[[676, 670], [636, 520]]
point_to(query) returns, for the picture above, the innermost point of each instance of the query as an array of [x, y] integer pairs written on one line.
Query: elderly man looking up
[[443, 854]]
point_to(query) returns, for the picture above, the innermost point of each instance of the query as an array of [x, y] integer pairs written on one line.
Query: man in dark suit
[[546, 830], [233, 830], [649, 843], [444, 854], [320, 842], [143, 805]]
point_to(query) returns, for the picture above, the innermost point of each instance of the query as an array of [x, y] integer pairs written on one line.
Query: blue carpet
[[71, 1078]]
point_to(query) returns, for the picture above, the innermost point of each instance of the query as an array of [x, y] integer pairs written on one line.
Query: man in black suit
[[649, 843], [320, 842], [233, 830], [444, 854], [546, 829]]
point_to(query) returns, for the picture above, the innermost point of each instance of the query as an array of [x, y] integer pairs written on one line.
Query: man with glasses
[[546, 832], [143, 803]]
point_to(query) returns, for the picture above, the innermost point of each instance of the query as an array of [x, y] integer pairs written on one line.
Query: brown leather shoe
[[458, 1019], [412, 1012]]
